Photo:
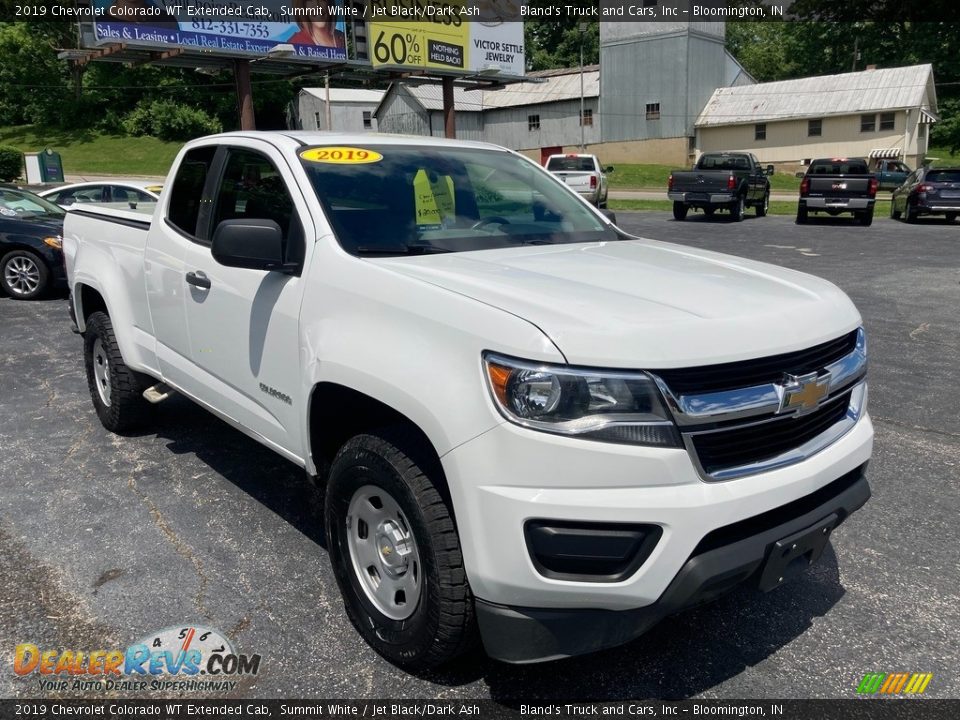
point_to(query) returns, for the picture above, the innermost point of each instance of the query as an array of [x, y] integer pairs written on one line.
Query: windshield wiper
[[402, 250]]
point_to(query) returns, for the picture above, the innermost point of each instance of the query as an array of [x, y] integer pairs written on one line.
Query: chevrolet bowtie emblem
[[803, 393]]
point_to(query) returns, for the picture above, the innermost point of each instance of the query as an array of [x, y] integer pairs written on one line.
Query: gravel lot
[[105, 539]]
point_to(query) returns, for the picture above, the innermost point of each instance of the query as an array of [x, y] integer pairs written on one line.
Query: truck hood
[[645, 304]]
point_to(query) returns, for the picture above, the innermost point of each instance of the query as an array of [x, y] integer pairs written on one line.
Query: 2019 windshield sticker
[[341, 155]]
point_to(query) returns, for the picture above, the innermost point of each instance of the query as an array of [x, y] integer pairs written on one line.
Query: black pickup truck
[[838, 185], [730, 181]]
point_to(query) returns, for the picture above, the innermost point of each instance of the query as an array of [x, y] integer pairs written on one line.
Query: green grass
[[777, 207], [945, 158], [654, 177], [86, 152]]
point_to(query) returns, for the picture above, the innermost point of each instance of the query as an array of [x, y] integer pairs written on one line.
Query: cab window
[[251, 187], [187, 189]]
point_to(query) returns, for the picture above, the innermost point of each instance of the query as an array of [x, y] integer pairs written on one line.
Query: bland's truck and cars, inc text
[[532, 428]]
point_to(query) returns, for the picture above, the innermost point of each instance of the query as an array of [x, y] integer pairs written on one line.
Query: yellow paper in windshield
[[434, 199]]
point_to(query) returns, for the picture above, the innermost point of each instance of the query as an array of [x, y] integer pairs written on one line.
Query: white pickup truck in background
[[583, 174], [531, 427]]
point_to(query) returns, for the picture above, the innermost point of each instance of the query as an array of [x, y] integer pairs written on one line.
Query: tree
[[556, 43]]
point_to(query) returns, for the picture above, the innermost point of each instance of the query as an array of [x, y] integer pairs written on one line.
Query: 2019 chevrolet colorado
[[531, 426]]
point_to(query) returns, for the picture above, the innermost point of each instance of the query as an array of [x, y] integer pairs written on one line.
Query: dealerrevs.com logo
[[174, 659]]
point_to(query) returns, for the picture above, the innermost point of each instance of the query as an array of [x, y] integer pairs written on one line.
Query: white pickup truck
[[583, 174], [531, 427]]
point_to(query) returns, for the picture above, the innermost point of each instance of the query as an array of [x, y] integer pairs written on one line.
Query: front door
[[244, 324]]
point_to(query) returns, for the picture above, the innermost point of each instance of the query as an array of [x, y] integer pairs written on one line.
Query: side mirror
[[250, 244], [801, 175], [609, 215], [770, 170], [609, 168]]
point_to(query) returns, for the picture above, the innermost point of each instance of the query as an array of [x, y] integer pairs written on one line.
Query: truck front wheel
[[680, 210], [764, 205], [395, 551], [115, 389]]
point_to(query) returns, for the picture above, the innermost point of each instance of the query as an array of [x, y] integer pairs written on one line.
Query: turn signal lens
[[55, 242]]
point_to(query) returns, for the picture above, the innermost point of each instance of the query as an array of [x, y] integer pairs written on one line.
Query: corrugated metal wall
[[678, 70], [346, 117], [401, 114], [559, 125]]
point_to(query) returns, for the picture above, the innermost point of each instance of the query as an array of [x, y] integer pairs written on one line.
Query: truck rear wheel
[[115, 389], [866, 217], [738, 209], [395, 552], [680, 210], [801, 215]]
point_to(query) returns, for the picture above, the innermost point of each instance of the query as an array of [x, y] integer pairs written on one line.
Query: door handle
[[198, 279]]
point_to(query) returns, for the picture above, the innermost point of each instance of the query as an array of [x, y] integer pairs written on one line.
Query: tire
[[115, 389], [908, 215], [680, 210], [801, 215], [764, 205], [894, 213], [866, 218], [391, 468], [738, 210], [951, 217], [23, 275]]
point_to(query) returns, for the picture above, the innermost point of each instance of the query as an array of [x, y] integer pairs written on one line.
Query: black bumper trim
[[526, 635]]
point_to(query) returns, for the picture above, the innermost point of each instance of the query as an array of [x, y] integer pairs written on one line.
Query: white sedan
[[119, 194]]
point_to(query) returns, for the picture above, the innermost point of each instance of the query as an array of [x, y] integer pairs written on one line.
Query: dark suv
[[928, 191]]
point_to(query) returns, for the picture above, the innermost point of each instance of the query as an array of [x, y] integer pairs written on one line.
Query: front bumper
[[510, 475], [723, 559]]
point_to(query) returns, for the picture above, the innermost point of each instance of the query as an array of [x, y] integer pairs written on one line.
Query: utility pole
[[449, 112], [241, 74], [582, 28], [326, 85]]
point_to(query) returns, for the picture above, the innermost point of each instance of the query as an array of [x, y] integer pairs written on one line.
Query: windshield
[[15, 203], [561, 164], [401, 199]]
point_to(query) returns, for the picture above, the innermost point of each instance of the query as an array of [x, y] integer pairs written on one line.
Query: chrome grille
[[770, 420]]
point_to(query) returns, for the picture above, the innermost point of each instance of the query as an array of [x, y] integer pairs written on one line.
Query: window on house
[[367, 120], [760, 131], [815, 128], [887, 121], [316, 116], [587, 117], [653, 111], [533, 122], [868, 123], [921, 131]]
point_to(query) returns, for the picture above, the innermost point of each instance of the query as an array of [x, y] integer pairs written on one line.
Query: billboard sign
[[315, 28], [462, 35]]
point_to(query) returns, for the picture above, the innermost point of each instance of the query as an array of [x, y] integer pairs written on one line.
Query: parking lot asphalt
[[104, 539]]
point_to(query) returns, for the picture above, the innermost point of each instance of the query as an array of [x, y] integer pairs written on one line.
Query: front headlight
[[612, 406]]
